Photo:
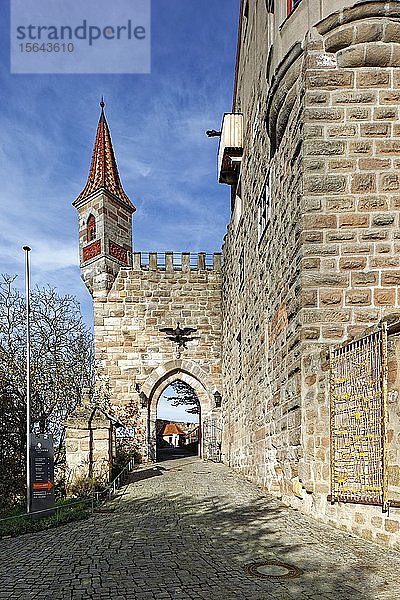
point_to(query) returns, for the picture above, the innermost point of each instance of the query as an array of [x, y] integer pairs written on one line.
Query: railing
[[50, 511], [47, 512], [115, 484], [94, 500]]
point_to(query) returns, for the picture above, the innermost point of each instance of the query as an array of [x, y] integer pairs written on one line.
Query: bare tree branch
[[185, 396], [62, 364]]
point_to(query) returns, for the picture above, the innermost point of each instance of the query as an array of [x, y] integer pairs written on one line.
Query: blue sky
[[165, 410], [157, 121]]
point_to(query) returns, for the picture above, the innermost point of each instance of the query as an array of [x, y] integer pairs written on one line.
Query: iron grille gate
[[212, 440], [358, 390]]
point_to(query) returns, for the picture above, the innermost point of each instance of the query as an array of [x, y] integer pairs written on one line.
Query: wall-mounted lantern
[[218, 399], [143, 399], [142, 396]]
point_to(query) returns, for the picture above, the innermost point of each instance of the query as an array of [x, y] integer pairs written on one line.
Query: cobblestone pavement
[[185, 529]]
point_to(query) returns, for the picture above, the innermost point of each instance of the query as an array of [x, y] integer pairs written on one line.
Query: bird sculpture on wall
[[179, 335]]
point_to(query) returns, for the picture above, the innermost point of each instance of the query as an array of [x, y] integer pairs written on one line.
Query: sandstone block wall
[[350, 220], [324, 128], [135, 357], [88, 444]]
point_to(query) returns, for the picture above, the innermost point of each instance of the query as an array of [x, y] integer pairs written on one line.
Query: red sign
[[42, 486]]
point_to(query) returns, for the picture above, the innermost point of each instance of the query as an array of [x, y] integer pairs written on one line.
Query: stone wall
[[350, 220], [88, 444], [264, 313], [135, 358], [393, 417], [134, 297], [324, 130]]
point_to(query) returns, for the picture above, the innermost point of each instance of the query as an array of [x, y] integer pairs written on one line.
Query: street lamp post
[[28, 377]]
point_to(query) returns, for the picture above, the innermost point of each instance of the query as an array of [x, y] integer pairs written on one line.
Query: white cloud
[[174, 413], [157, 122]]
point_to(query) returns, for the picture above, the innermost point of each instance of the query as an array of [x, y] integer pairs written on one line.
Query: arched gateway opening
[[178, 422], [188, 372]]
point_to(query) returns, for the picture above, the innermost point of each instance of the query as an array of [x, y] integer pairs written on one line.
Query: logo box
[[75, 36]]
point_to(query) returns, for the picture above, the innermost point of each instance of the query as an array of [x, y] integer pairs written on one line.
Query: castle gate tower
[[135, 296]]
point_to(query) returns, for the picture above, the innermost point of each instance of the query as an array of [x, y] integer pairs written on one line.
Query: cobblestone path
[[185, 529]]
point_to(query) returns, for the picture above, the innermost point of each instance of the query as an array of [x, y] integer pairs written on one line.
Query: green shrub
[[84, 487], [124, 455], [67, 511]]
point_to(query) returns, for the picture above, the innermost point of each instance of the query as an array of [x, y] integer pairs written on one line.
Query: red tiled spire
[[103, 172]]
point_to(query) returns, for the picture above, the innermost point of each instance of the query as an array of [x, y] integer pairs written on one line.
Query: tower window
[[91, 228], [238, 357], [269, 5], [291, 5], [245, 18]]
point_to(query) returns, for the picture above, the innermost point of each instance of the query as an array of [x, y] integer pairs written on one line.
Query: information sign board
[[42, 474]]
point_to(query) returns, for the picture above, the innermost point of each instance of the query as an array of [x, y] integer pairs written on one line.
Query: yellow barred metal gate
[[358, 392]]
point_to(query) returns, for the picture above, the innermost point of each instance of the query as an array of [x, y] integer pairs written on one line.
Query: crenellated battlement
[[177, 261]]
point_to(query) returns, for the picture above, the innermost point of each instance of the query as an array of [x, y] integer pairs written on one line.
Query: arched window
[[291, 5], [91, 228]]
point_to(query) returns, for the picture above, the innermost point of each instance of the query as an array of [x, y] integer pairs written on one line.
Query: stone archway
[[188, 372]]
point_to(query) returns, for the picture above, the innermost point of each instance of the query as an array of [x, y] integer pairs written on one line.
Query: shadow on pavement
[[335, 565], [142, 474], [190, 535], [173, 454]]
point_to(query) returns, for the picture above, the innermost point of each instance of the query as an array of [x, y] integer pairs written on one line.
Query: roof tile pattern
[[171, 428], [103, 172]]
